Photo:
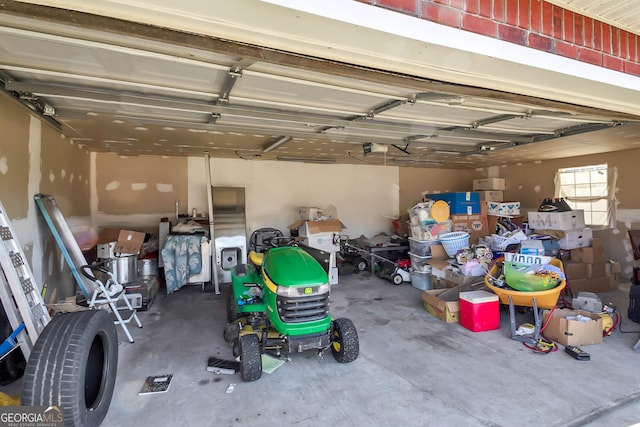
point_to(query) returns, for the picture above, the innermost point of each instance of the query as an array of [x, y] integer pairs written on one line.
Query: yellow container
[[544, 299]]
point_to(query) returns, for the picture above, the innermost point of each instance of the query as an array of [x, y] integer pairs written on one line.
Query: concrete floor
[[413, 370]]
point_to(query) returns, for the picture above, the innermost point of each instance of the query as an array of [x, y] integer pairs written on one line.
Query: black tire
[[360, 264], [232, 308], [397, 279], [345, 345], [231, 332], [250, 358], [73, 364]]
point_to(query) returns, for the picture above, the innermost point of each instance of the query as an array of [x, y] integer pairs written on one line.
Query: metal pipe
[[214, 256]]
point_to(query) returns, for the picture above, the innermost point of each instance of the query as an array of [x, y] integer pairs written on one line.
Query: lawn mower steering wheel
[[277, 241]]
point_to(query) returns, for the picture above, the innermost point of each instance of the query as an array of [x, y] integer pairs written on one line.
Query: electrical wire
[[607, 332], [544, 345]]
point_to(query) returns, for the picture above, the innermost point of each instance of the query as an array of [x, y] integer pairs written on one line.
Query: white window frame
[[591, 192]]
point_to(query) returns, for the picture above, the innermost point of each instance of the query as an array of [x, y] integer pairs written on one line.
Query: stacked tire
[[73, 365]]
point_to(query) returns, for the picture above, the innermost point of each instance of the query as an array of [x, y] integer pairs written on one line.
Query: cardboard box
[[503, 208], [447, 311], [460, 203], [572, 332], [489, 184], [532, 247], [129, 242], [310, 228], [439, 267], [475, 225], [574, 239], [328, 242], [570, 220], [590, 255], [108, 234], [578, 285], [491, 196], [438, 252], [458, 278], [614, 269], [594, 284], [575, 270], [597, 269], [602, 284], [401, 225]]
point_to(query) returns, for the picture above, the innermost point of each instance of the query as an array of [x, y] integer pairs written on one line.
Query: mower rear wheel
[[360, 264], [250, 358], [397, 279], [345, 346]]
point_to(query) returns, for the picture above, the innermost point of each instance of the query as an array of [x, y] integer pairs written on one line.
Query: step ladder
[[20, 296]]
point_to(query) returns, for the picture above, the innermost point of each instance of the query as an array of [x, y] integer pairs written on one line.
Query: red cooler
[[479, 311]]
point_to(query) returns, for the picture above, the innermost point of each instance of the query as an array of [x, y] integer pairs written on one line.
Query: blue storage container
[[460, 203]]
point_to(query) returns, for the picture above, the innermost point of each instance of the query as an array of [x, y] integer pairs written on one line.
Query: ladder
[[20, 297]]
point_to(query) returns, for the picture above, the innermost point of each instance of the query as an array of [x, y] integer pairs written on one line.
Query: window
[[590, 188]]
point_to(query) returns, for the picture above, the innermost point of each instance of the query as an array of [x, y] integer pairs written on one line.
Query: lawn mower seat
[[256, 258], [258, 242]]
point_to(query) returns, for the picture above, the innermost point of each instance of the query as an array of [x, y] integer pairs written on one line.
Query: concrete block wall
[[533, 23]]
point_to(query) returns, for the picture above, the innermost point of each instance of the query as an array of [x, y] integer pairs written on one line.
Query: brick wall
[[533, 23]]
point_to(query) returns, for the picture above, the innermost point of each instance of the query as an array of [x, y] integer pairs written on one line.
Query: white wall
[[365, 196]]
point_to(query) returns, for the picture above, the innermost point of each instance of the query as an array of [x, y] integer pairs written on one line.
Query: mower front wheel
[[397, 279], [345, 345], [250, 358]]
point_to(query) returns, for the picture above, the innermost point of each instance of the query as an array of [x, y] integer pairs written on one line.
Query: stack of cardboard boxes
[[468, 213], [584, 263], [588, 270]]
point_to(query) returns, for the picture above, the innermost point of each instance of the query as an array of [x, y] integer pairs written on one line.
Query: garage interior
[[128, 117]]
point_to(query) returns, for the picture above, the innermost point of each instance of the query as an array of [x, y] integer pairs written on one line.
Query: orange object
[[544, 299], [440, 211]]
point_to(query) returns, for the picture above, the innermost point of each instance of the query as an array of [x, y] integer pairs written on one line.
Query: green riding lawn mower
[[279, 304]]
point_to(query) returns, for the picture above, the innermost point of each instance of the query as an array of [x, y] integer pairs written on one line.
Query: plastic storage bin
[[421, 247], [421, 279], [419, 263]]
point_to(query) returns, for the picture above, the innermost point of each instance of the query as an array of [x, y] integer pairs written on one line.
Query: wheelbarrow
[[539, 300]]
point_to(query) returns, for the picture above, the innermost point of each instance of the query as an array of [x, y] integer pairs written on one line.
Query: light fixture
[[493, 146], [372, 147], [448, 152], [306, 159], [417, 161], [48, 110], [278, 142]]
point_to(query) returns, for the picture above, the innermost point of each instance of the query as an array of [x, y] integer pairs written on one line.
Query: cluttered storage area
[[461, 263]]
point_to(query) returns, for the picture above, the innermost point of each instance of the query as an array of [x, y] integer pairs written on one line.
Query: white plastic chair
[[109, 293]]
